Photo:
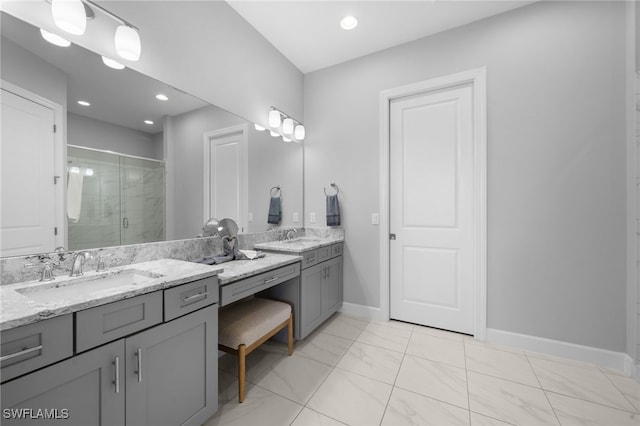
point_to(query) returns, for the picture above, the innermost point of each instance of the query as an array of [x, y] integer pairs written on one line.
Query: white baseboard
[[601, 357], [362, 311]]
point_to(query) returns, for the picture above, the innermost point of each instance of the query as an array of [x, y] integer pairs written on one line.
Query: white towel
[[74, 196]]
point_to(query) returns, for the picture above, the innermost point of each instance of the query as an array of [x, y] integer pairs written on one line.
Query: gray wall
[[92, 133], [556, 162]]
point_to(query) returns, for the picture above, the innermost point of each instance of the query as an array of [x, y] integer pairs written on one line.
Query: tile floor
[[357, 372]]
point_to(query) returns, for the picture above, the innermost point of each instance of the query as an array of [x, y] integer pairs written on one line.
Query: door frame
[[243, 130], [477, 79], [59, 156]]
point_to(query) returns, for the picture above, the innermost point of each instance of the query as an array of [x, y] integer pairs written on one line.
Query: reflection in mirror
[[54, 79]]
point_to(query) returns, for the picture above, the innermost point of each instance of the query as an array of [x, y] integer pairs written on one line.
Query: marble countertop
[[299, 245], [239, 269], [18, 308]]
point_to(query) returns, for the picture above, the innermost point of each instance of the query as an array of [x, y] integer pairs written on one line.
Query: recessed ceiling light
[[84, 103], [349, 22], [112, 64], [148, 122], [162, 97], [54, 38]]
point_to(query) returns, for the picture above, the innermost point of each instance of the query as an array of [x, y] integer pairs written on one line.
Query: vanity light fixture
[[88, 172], [84, 103], [112, 64], [259, 127], [54, 38], [149, 122], [286, 139], [74, 169], [162, 97], [69, 16], [349, 22], [282, 124], [127, 42], [274, 134]]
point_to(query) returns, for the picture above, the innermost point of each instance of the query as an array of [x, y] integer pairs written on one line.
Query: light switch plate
[[375, 219], [296, 217], [312, 217], [250, 217]]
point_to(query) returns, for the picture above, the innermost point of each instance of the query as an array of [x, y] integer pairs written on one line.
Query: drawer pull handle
[[22, 352], [116, 364], [139, 372], [270, 280], [195, 296], [311, 259]]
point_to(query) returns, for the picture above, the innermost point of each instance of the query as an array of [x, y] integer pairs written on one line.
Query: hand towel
[[74, 196], [275, 212], [333, 210]]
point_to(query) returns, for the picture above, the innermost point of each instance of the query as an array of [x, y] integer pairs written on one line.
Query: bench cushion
[[248, 321]]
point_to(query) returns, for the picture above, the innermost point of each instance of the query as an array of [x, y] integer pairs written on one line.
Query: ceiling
[[308, 32]]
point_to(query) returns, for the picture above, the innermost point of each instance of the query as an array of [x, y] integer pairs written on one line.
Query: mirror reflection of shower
[[113, 199]]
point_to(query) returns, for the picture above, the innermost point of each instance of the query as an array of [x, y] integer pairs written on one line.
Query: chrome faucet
[[78, 262], [47, 273], [289, 234]]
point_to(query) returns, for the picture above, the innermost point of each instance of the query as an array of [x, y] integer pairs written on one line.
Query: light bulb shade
[[274, 118], [69, 16], [128, 43], [286, 139], [274, 134], [259, 127], [287, 126], [300, 132], [112, 64], [54, 38]]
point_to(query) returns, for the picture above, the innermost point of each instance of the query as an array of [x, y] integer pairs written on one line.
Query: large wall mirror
[[116, 179]]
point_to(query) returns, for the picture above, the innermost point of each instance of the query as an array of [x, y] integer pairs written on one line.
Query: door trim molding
[[59, 156], [243, 130], [477, 79]]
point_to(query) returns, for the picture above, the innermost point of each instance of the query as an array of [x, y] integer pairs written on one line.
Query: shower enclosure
[[113, 199]]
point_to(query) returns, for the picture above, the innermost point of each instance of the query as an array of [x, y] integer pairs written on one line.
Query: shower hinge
[[55, 128], [55, 230], [55, 179]]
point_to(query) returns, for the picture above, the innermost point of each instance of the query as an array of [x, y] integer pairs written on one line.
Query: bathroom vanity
[[141, 354]]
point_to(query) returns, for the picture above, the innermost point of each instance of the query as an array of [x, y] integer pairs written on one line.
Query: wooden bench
[[245, 325]]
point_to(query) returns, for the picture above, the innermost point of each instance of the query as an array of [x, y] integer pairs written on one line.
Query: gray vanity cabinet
[[84, 390], [171, 371], [321, 293]]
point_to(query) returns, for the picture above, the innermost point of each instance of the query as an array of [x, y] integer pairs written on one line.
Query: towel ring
[[334, 186], [276, 188]]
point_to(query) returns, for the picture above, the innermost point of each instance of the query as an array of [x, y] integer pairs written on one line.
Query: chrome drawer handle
[[270, 280], [116, 363], [22, 352], [195, 296], [139, 372]]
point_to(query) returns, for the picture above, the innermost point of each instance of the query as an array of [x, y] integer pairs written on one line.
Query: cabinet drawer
[[324, 253], [243, 288], [105, 323], [189, 297], [309, 258], [336, 250], [35, 345]]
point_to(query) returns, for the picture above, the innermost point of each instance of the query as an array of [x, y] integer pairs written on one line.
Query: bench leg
[[290, 334], [241, 370]]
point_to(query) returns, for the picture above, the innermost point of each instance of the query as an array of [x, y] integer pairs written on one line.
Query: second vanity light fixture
[[284, 125], [71, 16]]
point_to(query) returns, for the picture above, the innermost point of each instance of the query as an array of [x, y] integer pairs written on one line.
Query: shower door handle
[[125, 222]]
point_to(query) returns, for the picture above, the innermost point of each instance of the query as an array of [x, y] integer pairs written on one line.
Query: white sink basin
[[73, 287]]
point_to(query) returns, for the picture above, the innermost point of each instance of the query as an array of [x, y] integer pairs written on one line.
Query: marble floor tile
[[506, 365], [482, 420], [260, 408], [629, 388], [509, 401], [395, 339], [394, 323], [573, 411], [344, 326], [437, 349], [588, 383], [372, 361], [323, 347], [308, 417], [351, 398], [408, 408], [227, 387], [295, 377], [470, 340], [439, 333], [433, 379]]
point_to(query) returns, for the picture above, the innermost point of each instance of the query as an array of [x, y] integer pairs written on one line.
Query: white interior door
[[225, 175], [431, 212], [27, 152]]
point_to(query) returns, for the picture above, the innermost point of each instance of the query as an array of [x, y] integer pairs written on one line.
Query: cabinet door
[[311, 282], [172, 371], [332, 291], [79, 391]]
